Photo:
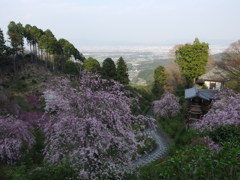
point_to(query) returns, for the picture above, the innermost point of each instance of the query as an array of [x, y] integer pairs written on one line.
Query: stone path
[[160, 151]]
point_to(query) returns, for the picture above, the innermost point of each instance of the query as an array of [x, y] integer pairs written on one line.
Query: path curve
[[160, 151]]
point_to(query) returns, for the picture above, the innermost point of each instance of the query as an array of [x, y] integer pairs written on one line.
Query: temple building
[[199, 102], [215, 78]]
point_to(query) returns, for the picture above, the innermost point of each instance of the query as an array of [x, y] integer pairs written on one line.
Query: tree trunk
[[53, 63], [31, 50], [36, 47], [46, 62], [14, 63]]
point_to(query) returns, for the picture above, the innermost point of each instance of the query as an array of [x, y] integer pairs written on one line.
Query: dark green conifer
[[122, 71], [109, 69], [160, 81], [2, 43]]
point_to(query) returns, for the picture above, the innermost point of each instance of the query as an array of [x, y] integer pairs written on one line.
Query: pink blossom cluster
[[14, 133], [167, 106], [35, 119], [224, 111], [91, 125]]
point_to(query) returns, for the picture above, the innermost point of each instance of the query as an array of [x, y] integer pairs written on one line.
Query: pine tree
[[16, 32], [109, 69], [122, 71], [160, 81], [2, 43]]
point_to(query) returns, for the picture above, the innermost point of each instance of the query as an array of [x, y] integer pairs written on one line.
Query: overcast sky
[[129, 22]]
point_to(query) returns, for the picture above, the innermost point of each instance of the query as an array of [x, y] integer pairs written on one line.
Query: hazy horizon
[[129, 23]]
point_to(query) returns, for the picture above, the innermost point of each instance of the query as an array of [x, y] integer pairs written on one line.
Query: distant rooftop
[[215, 74]]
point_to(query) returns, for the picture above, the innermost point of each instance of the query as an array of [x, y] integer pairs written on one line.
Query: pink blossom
[[91, 125], [13, 134], [167, 106], [224, 111]]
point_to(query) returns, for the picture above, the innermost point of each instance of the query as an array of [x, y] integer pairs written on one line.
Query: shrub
[[227, 133], [195, 163], [71, 68], [21, 86]]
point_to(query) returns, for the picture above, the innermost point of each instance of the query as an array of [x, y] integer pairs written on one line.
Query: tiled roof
[[215, 74], [206, 94]]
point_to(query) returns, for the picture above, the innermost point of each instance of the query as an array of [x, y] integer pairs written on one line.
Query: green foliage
[[195, 164], [92, 65], [192, 59], [109, 69], [180, 92], [233, 84], [227, 133], [149, 145], [71, 68], [67, 49], [160, 80], [145, 96], [122, 71], [2, 43], [16, 34], [176, 129], [204, 87], [46, 172], [20, 100], [20, 86], [35, 155], [77, 55], [48, 42], [53, 172], [147, 74]]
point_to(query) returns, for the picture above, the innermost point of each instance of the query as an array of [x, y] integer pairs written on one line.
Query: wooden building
[[215, 78], [199, 102]]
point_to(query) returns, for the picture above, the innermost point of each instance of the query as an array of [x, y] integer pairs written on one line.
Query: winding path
[[160, 151]]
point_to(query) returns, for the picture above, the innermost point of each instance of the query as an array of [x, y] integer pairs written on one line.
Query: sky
[[129, 22]]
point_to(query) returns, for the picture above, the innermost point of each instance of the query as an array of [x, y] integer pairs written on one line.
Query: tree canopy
[[122, 71], [231, 60], [92, 65], [2, 43], [160, 80], [16, 35], [109, 69], [192, 59]]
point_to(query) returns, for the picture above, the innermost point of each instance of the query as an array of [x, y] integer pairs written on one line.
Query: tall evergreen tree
[[160, 81], [109, 69], [192, 59], [16, 35], [122, 71], [2, 43]]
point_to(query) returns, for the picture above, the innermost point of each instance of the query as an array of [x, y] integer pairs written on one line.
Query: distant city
[[141, 60]]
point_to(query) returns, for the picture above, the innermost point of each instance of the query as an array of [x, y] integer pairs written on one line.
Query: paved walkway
[[160, 151]]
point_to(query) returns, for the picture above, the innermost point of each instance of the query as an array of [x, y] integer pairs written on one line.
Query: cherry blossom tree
[[91, 126], [14, 134], [167, 106], [224, 111]]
